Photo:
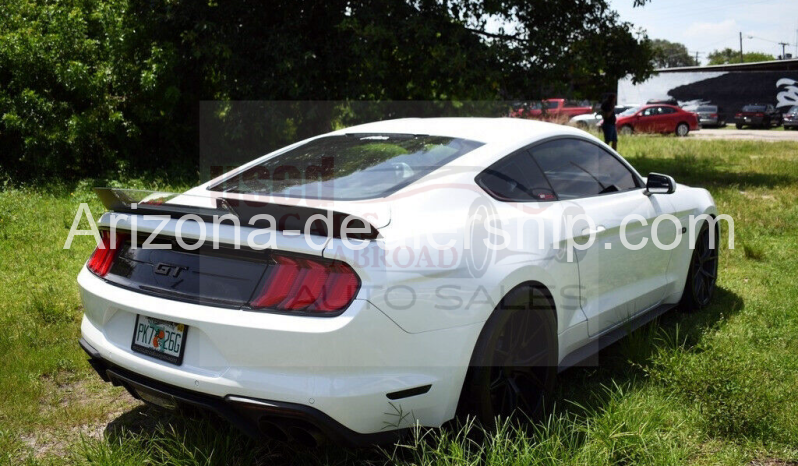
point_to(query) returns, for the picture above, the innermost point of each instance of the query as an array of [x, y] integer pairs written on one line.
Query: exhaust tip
[[307, 437], [272, 430]]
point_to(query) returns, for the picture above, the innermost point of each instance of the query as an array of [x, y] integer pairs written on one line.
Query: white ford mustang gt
[[400, 272]]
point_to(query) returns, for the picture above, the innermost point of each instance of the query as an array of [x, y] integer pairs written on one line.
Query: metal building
[[728, 86]]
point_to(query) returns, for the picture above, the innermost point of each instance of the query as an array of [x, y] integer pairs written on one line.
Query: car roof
[[485, 130]]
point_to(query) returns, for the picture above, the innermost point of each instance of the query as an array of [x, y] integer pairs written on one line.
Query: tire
[[739, 126], [627, 130], [682, 130], [514, 364], [702, 273]]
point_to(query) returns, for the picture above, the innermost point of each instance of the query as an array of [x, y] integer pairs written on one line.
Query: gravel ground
[[753, 134]]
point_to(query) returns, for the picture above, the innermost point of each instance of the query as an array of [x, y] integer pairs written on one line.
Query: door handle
[[588, 231]]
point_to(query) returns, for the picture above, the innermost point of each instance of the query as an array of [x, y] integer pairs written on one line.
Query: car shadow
[[628, 361]]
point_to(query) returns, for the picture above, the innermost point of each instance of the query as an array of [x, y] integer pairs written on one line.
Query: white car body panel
[[390, 339]]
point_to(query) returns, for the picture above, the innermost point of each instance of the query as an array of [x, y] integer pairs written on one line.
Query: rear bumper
[[347, 367], [255, 417], [750, 121]]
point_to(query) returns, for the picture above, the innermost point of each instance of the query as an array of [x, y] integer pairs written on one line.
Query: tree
[[728, 55], [100, 85], [577, 47], [671, 54]]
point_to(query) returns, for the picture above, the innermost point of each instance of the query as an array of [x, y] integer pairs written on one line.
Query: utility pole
[[783, 44], [741, 46], [696, 59]]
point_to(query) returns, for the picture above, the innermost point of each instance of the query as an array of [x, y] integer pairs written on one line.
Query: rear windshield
[[707, 108], [350, 167], [754, 108]]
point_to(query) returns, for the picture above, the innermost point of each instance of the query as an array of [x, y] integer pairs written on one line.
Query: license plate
[[160, 339]]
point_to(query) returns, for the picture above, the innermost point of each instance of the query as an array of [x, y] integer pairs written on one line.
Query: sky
[[707, 25]]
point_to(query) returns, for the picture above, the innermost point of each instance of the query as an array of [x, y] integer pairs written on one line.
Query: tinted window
[[666, 110], [630, 111], [754, 108], [707, 108], [516, 178], [358, 166], [577, 168], [794, 110], [650, 111]]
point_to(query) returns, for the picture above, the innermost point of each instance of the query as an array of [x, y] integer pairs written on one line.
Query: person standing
[[608, 125]]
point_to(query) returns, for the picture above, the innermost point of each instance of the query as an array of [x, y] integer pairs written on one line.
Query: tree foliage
[[728, 55], [671, 54], [97, 85]]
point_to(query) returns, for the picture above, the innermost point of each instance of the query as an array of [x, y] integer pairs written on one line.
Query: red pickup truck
[[553, 109]]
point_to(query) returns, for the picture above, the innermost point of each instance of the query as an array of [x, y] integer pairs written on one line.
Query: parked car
[[304, 337], [555, 109], [591, 120], [657, 119], [758, 116], [711, 115], [791, 118]]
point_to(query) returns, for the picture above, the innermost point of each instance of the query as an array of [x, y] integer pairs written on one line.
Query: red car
[[657, 118], [553, 109]]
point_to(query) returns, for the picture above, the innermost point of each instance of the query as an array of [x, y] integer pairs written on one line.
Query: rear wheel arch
[[521, 288], [535, 289]]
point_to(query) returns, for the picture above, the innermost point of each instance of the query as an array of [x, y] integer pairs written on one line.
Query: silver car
[[710, 115], [791, 118]]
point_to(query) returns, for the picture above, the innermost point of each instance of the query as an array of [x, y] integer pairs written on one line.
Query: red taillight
[[103, 256], [281, 278], [738, 115], [302, 284], [308, 286], [714, 115], [759, 114]]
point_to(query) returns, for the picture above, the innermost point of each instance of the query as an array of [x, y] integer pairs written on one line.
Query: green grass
[[715, 387]]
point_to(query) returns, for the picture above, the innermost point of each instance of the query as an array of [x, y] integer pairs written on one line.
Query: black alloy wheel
[[702, 275], [515, 360]]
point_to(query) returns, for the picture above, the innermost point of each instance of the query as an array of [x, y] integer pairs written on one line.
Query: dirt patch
[[773, 462], [75, 409]]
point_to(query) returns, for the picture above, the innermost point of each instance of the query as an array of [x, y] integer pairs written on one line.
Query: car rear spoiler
[[286, 217]]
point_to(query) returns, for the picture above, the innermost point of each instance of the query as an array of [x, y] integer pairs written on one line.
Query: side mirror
[[658, 183]]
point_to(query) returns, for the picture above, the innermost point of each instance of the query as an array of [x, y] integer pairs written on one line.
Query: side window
[[650, 111], [576, 168], [516, 178], [667, 110]]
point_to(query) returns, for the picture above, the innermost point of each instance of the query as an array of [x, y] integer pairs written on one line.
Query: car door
[[667, 119], [647, 120], [616, 282]]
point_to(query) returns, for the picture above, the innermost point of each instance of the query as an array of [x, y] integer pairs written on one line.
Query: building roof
[[772, 65]]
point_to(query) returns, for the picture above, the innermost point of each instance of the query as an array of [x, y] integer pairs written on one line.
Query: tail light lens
[[714, 115], [103, 257], [309, 285], [739, 115], [759, 114]]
